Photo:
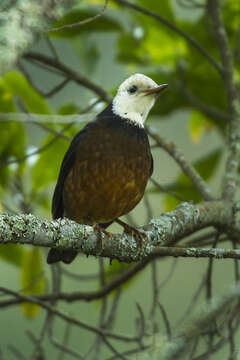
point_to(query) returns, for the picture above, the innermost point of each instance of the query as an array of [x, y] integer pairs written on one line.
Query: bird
[[105, 171]]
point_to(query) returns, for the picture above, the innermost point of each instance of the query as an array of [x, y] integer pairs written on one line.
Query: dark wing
[[151, 168], [67, 164]]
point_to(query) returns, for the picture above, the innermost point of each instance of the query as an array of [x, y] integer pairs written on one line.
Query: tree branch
[[187, 168], [83, 22], [174, 28], [65, 317], [230, 178], [164, 231], [69, 72]]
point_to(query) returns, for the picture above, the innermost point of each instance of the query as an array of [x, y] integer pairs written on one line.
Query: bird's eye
[[132, 89]]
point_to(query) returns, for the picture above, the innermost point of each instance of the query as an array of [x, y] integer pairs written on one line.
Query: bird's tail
[[66, 256]]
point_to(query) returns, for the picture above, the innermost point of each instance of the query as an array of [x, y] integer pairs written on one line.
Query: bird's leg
[[100, 230], [133, 231]]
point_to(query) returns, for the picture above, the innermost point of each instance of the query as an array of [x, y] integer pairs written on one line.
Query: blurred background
[[191, 113]]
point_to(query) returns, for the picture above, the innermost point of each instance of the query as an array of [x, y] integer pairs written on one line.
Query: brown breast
[[110, 173]]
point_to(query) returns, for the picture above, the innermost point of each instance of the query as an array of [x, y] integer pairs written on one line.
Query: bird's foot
[[100, 232], [140, 237]]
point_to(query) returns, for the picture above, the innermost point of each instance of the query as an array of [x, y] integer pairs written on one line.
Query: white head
[[135, 98]]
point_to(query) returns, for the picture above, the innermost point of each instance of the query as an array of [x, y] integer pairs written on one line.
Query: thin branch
[[166, 321], [210, 271], [178, 156], [64, 349], [192, 303], [49, 118], [83, 22], [208, 110], [38, 150], [52, 47], [174, 28], [69, 319], [230, 177], [57, 88], [212, 311], [88, 296], [69, 73], [165, 190]]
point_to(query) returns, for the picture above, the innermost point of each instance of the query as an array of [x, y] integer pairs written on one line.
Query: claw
[[133, 231], [100, 232]]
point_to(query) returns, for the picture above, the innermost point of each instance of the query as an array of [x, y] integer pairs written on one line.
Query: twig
[[207, 109], [210, 270], [140, 325], [69, 319], [51, 47], [65, 340], [69, 72], [103, 310], [166, 321], [174, 28], [109, 323], [230, 177], [169, 275], [38, 150], [29, 78], [155, 290], [16, 352], [196, 328], [51, 130], [90, 296], [131, 352], [83, 22], [167, 191], [62, 347], [57, 88], [178, 156], [50, 118], [81, 277]]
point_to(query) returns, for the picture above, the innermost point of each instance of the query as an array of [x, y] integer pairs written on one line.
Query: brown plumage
[[103, 174]]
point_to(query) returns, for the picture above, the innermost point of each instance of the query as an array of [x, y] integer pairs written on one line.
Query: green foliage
[[12, 254], [198, 125], [105, 51], [115, 268], [12, 136], [32, 279], [105, 23], [139, 43], [18, 85], [48, 164]]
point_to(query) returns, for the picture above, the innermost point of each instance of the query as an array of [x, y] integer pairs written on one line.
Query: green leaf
[[12, 135], [161, 7], [198, 126], [68, 109], [130, 50], [48, 164], [32, 279], [104, 23], [115, 268], [172, 48], [12, 253], [18, 85]]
